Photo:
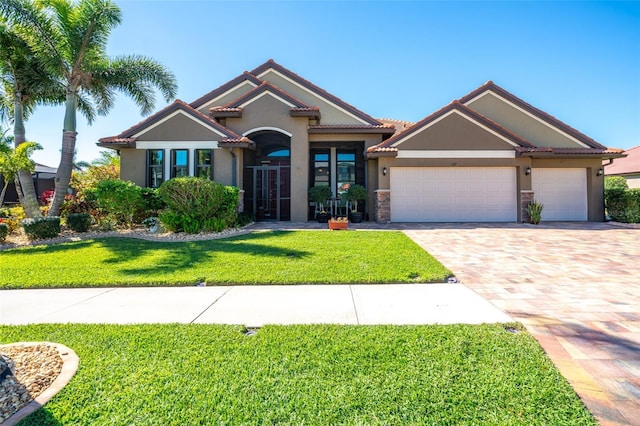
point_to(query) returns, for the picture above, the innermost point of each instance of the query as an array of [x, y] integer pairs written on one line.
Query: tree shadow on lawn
[[184, 255]]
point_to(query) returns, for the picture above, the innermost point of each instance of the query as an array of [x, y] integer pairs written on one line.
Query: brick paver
[[576, 287]]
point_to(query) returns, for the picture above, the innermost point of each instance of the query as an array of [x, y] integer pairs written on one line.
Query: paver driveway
[[575, 286]]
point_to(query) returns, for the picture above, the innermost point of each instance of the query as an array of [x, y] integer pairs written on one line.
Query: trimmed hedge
[[623, 205], [41, 227], [79, 222], [4, 231]]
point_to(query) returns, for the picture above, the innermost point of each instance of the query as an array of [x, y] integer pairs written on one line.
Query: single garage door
[[453, 194], [562, 191]]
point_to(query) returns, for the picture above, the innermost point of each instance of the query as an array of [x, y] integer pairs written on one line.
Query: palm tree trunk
[[63, 176], [26, 190]]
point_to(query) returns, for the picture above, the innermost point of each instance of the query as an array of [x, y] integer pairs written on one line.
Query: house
[[43, 180], [627, 167], [274, 135]]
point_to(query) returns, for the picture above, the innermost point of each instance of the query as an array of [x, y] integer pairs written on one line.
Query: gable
[[535, 130], [179, 126], [331, 113], [263, 111], [228, 96], [454, 131]]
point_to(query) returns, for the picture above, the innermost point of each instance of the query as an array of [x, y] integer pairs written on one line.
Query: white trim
[[529, 114], [222, 95], [312, 93], [173, 114], [456, 154], [265, 93], [275, 129], [496, 134], [176, 144]]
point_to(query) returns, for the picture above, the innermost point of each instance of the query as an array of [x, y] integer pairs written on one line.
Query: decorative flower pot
[[356, 217], [334, 224], [323, 217]]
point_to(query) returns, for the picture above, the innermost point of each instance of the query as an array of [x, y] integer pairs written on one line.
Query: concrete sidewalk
[[252, 306]]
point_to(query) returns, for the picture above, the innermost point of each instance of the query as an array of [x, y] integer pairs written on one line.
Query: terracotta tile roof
[[351, 128], [128, 134], [400, 125], [463, 109], [225, 112], [315, 89], [491, 86], [116, 140], [629, 164], [245, 76], [604, 152], [242, 142]]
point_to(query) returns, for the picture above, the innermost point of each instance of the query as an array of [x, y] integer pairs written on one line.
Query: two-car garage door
[[453, 194], [477, 194]]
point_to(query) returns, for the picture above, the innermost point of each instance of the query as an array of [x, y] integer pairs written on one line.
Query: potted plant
[[338, 223], [354, 194], [534, 211], [320, 195]]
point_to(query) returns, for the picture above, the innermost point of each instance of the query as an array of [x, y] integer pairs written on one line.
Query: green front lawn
[[312, 375], [282, 257]]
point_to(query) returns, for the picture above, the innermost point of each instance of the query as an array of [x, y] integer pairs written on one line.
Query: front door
[[272, 192]]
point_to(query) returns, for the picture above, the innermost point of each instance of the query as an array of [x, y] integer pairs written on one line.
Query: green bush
[[12, 217], [615, 182], [120, 199], [79, 222], [623, 205], [191, 202], [4, 230], [41, 227]]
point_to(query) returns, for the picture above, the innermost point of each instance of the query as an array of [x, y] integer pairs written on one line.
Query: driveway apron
[[575, 286]]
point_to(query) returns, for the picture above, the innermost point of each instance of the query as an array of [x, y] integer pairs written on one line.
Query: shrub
[[41, 227], [4, 230], [151, 202], [79, 222], [120, 199], [615, 182], [356, 193], [534, 211], [12, 217], [623, 205], [191, 201]]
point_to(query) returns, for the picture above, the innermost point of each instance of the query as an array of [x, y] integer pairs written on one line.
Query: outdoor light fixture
[[384, 171], [527, 171], [600, 172]]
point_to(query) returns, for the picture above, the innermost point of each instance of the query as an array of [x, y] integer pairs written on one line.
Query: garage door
[[562, 191], [453, 194]]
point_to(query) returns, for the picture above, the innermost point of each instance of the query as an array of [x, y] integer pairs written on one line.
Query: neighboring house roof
[[490, 86], [392, 143], [627, 165], [128, 137], [271, 64]]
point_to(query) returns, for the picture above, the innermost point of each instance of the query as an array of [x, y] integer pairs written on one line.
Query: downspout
[[234, 168]]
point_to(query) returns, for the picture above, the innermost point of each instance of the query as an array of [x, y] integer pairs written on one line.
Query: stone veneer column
[[526, 196], [383, 205], [241, 201]]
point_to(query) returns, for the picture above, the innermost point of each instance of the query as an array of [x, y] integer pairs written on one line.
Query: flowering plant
[[47, 196], [339, 219]]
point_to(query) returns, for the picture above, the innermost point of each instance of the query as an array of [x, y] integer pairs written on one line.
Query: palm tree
[[15, 160], [23, 84], [72, 38]]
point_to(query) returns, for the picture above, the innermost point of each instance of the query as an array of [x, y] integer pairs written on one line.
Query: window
[[203, 166], [346, 171], [155, 167], [179, 163], [321, 169]]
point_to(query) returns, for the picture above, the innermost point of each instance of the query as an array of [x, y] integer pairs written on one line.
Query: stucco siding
[[179, 128], [633, 181], [231, 95], [330, 113], [222, 166], [454, 132], [132, 166], [521, 123]]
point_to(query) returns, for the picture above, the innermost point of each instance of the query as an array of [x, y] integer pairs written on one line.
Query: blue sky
[[578, 61]]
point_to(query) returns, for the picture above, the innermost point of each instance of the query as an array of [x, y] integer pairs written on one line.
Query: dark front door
[[272, 192]]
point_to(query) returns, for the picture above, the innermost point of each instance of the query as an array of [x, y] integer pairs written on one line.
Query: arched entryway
[[267, 176]]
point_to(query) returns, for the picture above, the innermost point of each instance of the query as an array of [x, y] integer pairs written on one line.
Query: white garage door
[[453, 194], [562, 191]]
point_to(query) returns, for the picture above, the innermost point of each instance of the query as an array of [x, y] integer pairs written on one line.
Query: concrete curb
[[70, 363]]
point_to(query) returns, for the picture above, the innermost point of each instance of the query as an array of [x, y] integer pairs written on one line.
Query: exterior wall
[[270, 112], [330, 114], [633, 181], [455, 132], [132, 166], [521, 123], [595, 184], [222, 166], [179, 128]]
